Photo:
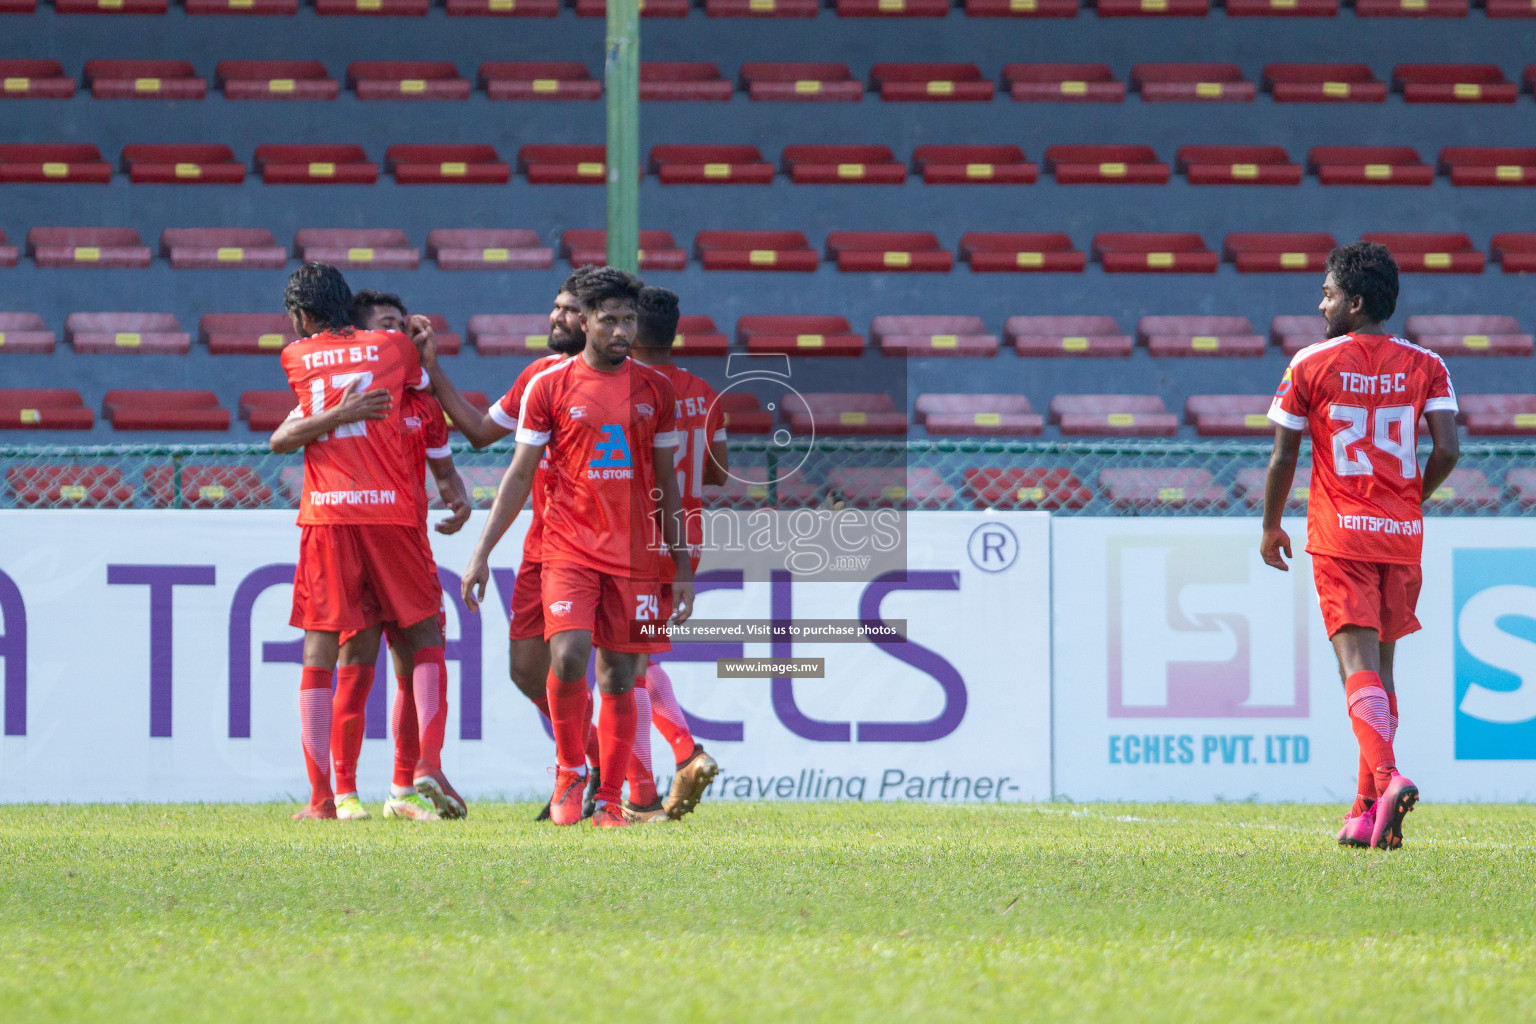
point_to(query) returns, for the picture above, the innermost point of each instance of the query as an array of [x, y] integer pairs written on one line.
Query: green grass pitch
[[749, 912]]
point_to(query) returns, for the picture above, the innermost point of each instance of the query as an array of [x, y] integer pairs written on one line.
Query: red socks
[[1365, 777], [429, 681], [571, 716], [616, 739], [315, 730], [407, 742], [642, 779], [542, 703], [593, 753], [348, 708], [668, 715], [1371, 717]]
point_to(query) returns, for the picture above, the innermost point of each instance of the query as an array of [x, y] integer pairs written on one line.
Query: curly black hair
[[319, 290], [658, 318], [1368, 270], [580, 273], [603, 284], [370, 297]]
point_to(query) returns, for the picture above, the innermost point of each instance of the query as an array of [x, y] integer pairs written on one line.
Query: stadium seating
[[43, 408], [1127, 252], [158, 333], [205, 248], [799, 335], [34, 79], [110, 6], [1238, 165], [228, 334], [205, 485], [539, 80], [488, 249], [503, 334], [1323, 83], [1509, 9], [1106, 165], [1048, 487], [1113, 416], [503, 8], [1183, 82], [406, 80], [698, 336], [164, 410], [1067, 336], [447, 165], [1444, 252], [477, 400], [24, 333], [1489, 165], [144, 80], [930, 82], [908, 487], [265, 410], [1294, 333], [1269, 253], [710, 165], [892, 8], [263, 8], [888, 251], [1514, 251], [1411, 8], [1161, 489], [182, 165], [1063, 83], [802, 82], [1249, 486], [357, 247], [1021, 251], [755, 250], [448, 341], [560, 164], [761, 8], [651, 9], [843, 413], [683, 80], [275, 80], [95, 247], [315, 165], [1153, 8], [1282, 8], [72, 163], [68, 485], [1495, 414], [1199, 336], [481, 482], [932, 336], [1368, 165], [973, 165], [1468, 335], [744, 414], [8, 253], [749, 487], [1464, 489], [843, 165], [589, 247], [1453, 83], [373, 8], [1522, 486], [984, 415], [1229, 415]]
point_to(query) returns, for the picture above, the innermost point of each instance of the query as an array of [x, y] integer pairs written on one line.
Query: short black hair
[[603, 284], [1368, 270], [319, 290], [658, 318], [577, 276], [369, 297]]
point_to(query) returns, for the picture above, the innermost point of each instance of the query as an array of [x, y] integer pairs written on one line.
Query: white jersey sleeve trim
[[500, 416], [1445, 404], [719, 435], [666, 439], [526, 436], [426, 381], [1290, 421], [439, 453]]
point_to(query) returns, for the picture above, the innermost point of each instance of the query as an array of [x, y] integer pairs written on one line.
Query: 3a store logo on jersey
[[1199, 627], [1493, 597], [612, 450]]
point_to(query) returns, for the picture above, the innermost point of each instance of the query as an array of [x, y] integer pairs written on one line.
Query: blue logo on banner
[[613, 449], [1494, 601]]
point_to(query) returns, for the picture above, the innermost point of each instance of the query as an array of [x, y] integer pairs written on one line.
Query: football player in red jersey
[[608, 424], [362, 558], [1359, 396]]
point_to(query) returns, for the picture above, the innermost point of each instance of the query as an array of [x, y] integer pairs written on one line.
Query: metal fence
[[1108, 477]]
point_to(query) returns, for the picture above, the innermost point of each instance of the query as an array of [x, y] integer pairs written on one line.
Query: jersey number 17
[[340, 382]]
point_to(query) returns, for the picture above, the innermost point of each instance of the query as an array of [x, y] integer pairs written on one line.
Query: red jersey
[[600, 428], [504, 411], [361, 473], [1360, 397], [700, 420], [425, 433]]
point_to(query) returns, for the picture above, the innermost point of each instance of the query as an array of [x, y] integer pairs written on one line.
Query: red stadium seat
[[589, 247], [164, 410], [110, 6], [744, 414], [504, 8], [1468, 335], [1021, 251], [1282, 8], [34, 79], [250, 7], [1323, 83], [182, 165], [1113, 416], [1509, 9], [447, 165], [892, 8], [406, 80], [241, 334], [68, 486], [843, 165], [1249, 485], [204, 248], [24, 333], [1369, 165], [560, 164], [205, 485], [710, 165], [1067, 336], [266, 410], [8, 253], [980, 415], [1514, 251], [1489, 165], [1135, 252], [275, 80], [489, 249], [448, 342], [749, 487], [932, 336], [1443, 252], [1411, 8], [1063, 83], [1199, 336], [1229, 415], [1182, 82], [650, 9], [1453, 83], [1153, 8], [158, 333], [755, 250], [1266, 252], [18, 6], [1522, 486], [909, 487], [539, 80], [943, 82], [1238, 165], [1466, 490], [373, 8], [842, 414], [910, 251], [1498, 414], [1105, 165], [503, 334], [43, 408], [1021, 8], [804, 82], [73, 163], [1155, 489], [761, 8], [683, 80], [799, 335], [1294, 333], [357, 247], [477, 400], [87, 247], [974, 165], [1044, 487], [315, 165], [144, 80], [697, 335]]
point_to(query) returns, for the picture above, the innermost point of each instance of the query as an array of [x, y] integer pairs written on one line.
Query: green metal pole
[[622, 74]]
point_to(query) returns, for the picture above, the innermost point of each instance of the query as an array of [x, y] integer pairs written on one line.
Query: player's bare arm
[[297, 431], [451, 487], [717, 466], [1277, 488], [478, 428], [676, 536], [511, 495], [1447, 450]]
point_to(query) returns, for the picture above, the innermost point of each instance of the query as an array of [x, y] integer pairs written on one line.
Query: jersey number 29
[[1381, 421]]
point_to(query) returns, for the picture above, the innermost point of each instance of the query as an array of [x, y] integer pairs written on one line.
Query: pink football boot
[[1357, 828], [1391, 807]]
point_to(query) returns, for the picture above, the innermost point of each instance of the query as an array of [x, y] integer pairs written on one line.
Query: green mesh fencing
[[1108, 477]]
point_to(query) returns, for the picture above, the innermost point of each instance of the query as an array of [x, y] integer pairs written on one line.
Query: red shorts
[[351, 577], [395, 635], [527, 602], [612, 607], [1378, 595]]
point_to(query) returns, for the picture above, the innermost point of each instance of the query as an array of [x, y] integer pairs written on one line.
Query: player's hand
[[458, 509], [358, 405], [1274, 542], [419, 328], [682, 602], [472, 585]]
